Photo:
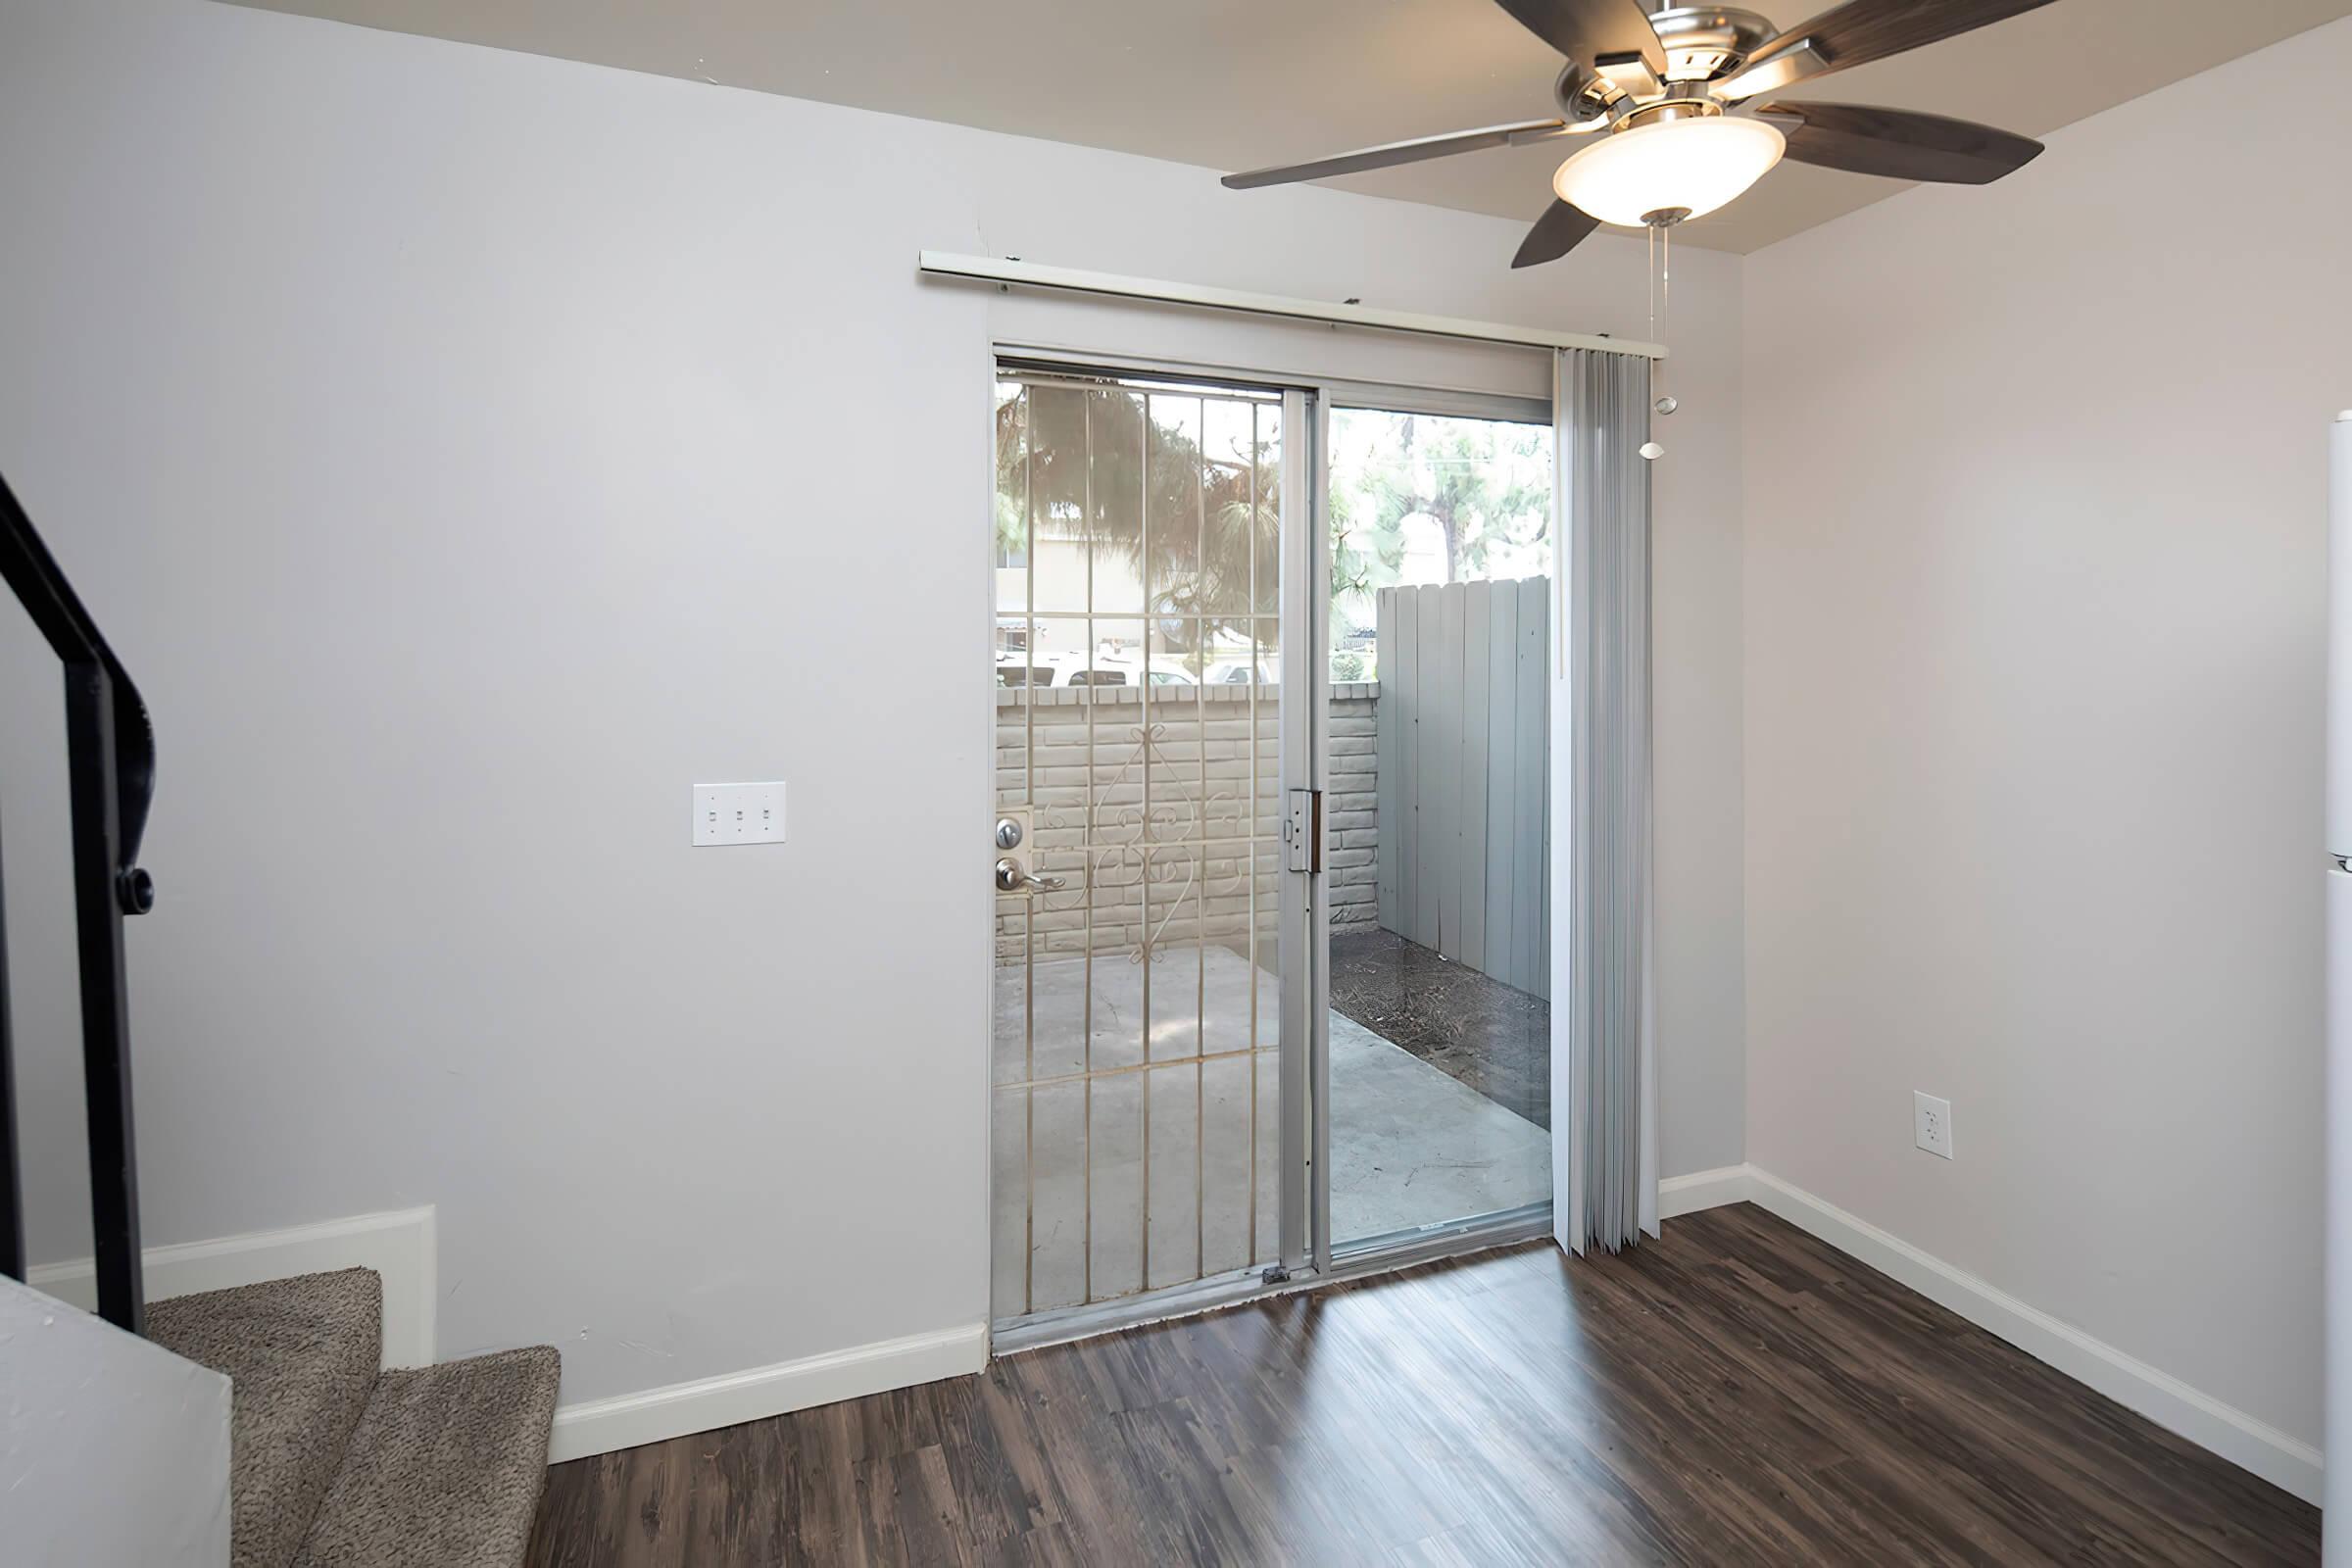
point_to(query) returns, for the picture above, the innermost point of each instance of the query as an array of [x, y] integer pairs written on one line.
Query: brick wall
[[1351, 810], [1213, 776]]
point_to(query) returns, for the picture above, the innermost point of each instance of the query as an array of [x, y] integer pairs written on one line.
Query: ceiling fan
[[1671, 109]]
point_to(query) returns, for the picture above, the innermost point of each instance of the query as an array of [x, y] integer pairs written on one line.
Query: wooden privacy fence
[[1465, 740]]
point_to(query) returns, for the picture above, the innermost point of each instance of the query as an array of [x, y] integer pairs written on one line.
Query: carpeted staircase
[[335, 1464]]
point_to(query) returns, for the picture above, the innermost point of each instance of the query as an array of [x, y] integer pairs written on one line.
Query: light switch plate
[[738, 814], [1931, 1123]]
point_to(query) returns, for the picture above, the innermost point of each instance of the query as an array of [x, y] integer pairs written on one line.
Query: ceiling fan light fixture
[[1694, 164]]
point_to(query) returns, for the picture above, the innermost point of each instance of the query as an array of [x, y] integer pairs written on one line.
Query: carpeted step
[[301, 1356], [445, 1469]]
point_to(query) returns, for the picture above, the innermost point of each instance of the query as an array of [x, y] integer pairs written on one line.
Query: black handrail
[[110, 768]]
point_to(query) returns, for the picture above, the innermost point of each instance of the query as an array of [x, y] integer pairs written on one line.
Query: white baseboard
[[600, 1426], [397, 1244], [400, 1247], [2285, 1461], [1702, 1189]]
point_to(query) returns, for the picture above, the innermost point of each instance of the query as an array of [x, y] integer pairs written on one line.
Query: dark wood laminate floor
[[1734, 1392], [1467, 1024]]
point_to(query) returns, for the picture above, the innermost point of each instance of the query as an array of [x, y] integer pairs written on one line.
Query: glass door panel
[[1436, 833]]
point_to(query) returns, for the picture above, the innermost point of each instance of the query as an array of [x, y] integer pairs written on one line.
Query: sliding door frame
[[1305, 919], [1306, 1255], [1437, 403]]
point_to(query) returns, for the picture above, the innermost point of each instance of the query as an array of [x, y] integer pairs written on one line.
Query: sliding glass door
[[1437, 880], [1269, 835]]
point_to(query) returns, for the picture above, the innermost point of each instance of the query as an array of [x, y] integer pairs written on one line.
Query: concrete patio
[[1411, 1146]]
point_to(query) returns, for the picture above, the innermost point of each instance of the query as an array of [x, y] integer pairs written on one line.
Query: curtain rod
[[1003, 269]]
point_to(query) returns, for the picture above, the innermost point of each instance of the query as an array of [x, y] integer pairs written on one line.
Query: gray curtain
[[1604, 1075]]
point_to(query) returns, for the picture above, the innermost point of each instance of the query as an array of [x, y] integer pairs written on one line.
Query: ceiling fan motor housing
[[1701, 43]]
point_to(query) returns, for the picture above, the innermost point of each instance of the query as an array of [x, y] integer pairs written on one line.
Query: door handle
[[1303, 830], [1010, 878]]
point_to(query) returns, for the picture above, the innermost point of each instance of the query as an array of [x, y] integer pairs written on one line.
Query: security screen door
[[1141, 1071]]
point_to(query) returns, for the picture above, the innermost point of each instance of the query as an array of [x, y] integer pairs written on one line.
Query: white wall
[[2034, 603], [470, 450], [112, 1450]]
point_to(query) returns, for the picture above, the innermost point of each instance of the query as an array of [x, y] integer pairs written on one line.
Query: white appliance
[[2337, 1501]]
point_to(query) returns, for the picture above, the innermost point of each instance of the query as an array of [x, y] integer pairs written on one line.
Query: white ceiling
[[1236, 83]]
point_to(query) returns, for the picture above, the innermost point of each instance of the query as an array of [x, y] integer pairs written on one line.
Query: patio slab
[[1411, 1146]]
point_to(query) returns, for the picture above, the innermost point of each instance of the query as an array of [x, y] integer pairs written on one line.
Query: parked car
[[1015, 669], [1120, 669], [1235, 672], [1074, 670]]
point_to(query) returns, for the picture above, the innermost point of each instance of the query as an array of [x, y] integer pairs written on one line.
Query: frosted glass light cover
[[1693, 164]]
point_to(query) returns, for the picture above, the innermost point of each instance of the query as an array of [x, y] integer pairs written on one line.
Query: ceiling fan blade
[[1392, 153], [1900, 143], [1555, 234], [1860, 31], [1587, 31]]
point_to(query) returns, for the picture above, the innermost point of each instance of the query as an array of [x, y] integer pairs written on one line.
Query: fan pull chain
[[1661, 305], [1665, 321]]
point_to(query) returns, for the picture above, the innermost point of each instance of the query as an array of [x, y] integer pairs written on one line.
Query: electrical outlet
[[738, 814], [1931, 1123]]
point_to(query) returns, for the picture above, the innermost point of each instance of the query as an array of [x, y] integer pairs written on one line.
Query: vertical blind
[[1605, 1144]]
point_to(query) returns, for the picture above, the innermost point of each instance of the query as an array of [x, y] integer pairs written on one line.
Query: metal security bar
[[109, 751], [1139, 526]]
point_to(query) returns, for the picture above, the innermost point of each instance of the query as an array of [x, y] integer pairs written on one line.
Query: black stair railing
[[109, 771]]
